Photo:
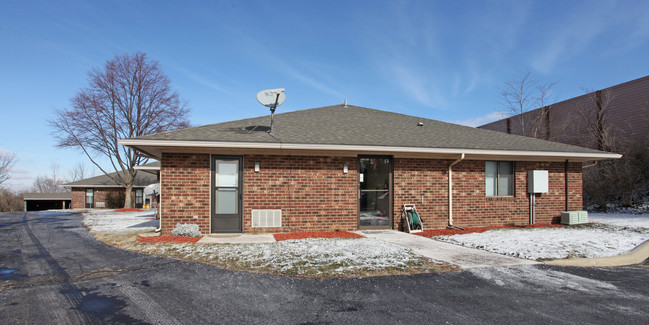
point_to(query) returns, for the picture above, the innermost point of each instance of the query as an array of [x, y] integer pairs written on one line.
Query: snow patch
[[554, 243], [621, 219], [303, 255], [109, 221], [535, 278]]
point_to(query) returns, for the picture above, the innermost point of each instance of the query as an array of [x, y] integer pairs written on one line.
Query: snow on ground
[[617, 234], [109, 221], [313, 255], [290, 256], [535, 279], [621, 219]]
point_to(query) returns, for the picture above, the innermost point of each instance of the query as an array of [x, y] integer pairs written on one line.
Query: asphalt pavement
[[53, 272]]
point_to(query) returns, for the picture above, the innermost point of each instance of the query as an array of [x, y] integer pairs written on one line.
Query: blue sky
[[443, 60]]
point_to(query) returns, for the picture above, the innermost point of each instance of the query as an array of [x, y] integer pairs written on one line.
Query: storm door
[[375, 192], [227, 197], [139, 198]]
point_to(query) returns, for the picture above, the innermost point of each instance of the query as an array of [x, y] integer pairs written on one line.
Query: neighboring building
[[91, 192], [47, 201], [623, 110], [347, 168]]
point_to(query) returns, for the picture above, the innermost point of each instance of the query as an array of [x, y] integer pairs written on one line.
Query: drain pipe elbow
[[450, 189]]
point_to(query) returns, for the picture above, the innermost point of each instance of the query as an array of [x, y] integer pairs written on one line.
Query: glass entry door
[[375, 192], [227, 194]]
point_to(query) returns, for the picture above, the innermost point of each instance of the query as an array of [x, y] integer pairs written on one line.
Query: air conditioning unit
[[574, 217]]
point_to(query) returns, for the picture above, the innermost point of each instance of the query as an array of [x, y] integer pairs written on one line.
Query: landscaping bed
[[128, 210]]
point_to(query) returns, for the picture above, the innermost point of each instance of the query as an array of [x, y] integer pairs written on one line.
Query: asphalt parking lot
[[53, 271]]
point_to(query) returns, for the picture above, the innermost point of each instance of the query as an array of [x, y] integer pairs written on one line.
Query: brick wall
[[79, 197], [314, 193], [415, 178], [185, 190]]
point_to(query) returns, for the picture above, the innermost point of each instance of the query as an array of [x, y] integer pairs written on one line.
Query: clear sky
[[442, 60]]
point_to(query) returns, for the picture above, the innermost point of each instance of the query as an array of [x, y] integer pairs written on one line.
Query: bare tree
[[618, 181], [10, 201], [130, 97], [7, 160], [50, 184], [78, 172], [596, 117], [521, 96], [45, 184]]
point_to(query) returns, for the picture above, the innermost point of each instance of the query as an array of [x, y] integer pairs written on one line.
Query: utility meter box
[[537, 181]]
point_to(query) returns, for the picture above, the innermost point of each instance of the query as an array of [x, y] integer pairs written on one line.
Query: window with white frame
[[499, 178]]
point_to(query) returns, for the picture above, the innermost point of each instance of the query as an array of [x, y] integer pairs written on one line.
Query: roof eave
[[155, 147], [102, 186]]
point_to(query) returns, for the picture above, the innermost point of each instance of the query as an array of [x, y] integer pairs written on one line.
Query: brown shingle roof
[[360, 126], [47, 196], [141, 180]]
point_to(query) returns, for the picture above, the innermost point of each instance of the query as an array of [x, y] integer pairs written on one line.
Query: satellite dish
[[271, 97], [152, 189]]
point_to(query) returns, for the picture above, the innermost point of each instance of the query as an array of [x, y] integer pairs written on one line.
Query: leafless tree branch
[[521, 96], [129, 97], [7, 160]]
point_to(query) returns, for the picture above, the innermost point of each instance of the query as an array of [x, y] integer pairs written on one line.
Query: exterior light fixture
[[256, 167], [345, 169]]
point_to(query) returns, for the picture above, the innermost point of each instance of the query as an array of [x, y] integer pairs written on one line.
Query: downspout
[[158, 205], [450, 191], [567, 180]]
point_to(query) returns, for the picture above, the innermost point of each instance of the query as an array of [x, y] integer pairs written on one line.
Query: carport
[[47, 201]]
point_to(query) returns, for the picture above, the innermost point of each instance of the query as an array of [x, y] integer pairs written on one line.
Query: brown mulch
[[168, 239], [128, 210], [316, 234], [449, 232]]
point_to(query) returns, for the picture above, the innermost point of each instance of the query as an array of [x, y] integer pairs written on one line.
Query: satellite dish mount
[[271, 98]]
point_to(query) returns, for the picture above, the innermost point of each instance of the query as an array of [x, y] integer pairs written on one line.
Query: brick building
[[90, 193], [347, 168]]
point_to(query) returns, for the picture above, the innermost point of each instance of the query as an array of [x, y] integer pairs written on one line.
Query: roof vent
[[345, 102], [420, 124]]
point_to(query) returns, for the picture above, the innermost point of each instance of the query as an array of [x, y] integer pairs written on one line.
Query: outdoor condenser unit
[[537, 182], [574, 217]]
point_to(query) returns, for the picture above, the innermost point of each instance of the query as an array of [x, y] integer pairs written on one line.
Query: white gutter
[[338, 147], [450, 190]]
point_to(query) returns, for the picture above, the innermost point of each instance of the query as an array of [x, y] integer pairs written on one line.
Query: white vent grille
[[100, 204], [266, 218]]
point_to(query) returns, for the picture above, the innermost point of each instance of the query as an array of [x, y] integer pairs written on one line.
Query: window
[[90, 198], [499, 176]]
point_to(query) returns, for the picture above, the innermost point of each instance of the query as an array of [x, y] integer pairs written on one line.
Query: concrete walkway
[[635, 256], [463, 257]]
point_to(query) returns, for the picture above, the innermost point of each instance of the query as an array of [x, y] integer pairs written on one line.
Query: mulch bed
[[128, 210], [316, 234], [449, 232], [168, 239]]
